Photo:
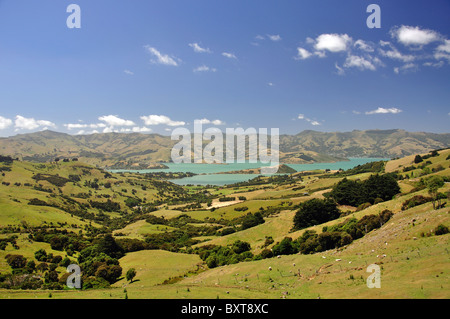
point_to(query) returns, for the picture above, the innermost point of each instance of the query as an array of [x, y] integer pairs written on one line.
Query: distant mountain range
[[127, 150]]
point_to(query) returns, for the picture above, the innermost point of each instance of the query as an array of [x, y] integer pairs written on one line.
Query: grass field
[[414, 262]]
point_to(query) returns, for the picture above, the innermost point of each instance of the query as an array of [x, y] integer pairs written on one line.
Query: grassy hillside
[[163, 229]]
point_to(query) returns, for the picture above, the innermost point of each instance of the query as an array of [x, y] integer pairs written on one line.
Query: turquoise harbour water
[[209, 172]]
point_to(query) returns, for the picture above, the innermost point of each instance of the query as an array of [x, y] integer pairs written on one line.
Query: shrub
[[418, 159], [441, 230], [285, 247], [415, 201], [251, 220]]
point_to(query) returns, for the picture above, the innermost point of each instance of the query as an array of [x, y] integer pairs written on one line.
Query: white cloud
[[5, 123], [161, 58], [340, 71], [393, 53], [359, 62], [312, 122], [443, 51], [229, 55], [215, 122], [143, 129], [114, 120], [364, 46], [382, 110], [197, 48], [274, 37], [204, 68], [414, 36], [160, 119], [406, 67], [72, 126], [31, 124], [128, 72], [302, 54], [332, 42], [435, 65]]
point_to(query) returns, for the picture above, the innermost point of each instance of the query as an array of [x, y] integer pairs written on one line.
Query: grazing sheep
[[270, 268]]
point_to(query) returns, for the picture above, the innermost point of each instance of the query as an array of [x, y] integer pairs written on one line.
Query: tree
[[109, 246], [433, 184], [347, 192], [418, 159], [285, 247], [16, 261], [131, 273], [380, 186], [315, 212]]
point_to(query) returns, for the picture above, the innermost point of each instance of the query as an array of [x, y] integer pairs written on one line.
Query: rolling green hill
[[163, 231]]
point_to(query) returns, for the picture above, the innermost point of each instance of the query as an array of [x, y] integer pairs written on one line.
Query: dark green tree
[[315, 212], [131, 273]]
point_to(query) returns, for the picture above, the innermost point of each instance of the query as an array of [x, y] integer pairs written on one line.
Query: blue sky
[[150, 66]]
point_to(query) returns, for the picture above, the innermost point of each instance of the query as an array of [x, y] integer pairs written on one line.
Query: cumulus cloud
[[31, 124], [359, 62], [303, 54], [160, 58], [128, 72], [160, 119], [206, 121], [114, 120], [332, 42], [274, 37], [382, 110], [5, 123], [393, 53], [72, 126], [443, 51], [197, 48], [414, 36], [364, 46]]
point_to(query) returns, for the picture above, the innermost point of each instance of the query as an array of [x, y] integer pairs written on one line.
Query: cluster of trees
[[331, 237], [56, 180], [314, 212], [419, 159], [108, 206], [26, 274], [215, 256], [372, 167], [374, 189]]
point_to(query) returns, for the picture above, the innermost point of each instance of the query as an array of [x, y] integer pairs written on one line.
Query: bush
[[441, 230], [285, 247], [415, 201], [418, 159], [251, 220]]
